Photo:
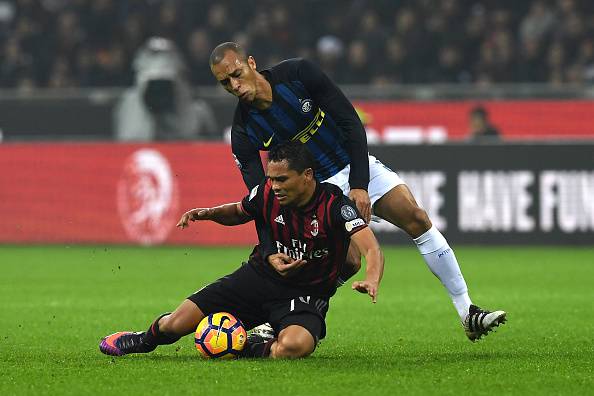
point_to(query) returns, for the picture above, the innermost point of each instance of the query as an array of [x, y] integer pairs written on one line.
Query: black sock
[[154, 337], [257, 349]]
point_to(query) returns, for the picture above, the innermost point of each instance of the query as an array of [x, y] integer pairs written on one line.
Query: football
[[220, 335]]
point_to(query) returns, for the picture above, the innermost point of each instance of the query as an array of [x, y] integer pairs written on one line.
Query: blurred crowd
[[71, 43]]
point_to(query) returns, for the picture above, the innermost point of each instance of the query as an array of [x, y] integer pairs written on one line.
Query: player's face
[[237, 76], [289, 186]]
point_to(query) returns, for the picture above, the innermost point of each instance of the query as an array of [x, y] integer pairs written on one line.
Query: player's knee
[[288, 348], [418, 222], [294, 344]]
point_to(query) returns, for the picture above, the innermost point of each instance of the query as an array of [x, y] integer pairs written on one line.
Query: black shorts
[[255, 299]]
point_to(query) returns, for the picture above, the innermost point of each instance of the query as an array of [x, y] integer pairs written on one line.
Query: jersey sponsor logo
[[147, 197], [315, 227], [298, 251], [347, 212], [306, 133], [253, 193], [306, 105], [351, 225], [267, 143], [279, 219]]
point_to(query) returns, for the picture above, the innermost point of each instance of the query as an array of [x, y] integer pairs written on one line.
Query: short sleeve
[[346, 216], [251, 204]]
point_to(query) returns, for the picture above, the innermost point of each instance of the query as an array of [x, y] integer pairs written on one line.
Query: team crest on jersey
[[315, 227], [347, 212], [306, 105]]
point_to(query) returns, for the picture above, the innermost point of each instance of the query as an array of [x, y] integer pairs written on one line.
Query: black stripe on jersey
[[278, 127], [289, 220], [294, 86], [277, 226], [256, 124], [301, 225]]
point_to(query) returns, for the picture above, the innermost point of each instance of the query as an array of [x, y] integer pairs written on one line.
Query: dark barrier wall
[[129, 193], [513, 194], [86, 118]]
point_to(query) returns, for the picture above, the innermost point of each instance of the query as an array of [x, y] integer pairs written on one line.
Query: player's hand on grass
[[284, 264], [193, 215], [368, 287], [361, 198]]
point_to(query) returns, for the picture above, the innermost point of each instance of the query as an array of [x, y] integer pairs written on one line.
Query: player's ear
[[309, 173], [251, 62]]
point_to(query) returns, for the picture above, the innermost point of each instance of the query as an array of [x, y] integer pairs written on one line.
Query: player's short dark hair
[[295, 153], [217, 54]]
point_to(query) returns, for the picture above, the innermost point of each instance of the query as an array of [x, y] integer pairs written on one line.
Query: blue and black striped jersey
[[307, 107]]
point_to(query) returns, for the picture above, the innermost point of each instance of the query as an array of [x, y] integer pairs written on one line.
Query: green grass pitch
[[57, 302]]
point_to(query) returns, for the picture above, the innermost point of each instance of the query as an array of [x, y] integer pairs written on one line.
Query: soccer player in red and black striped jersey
[[310, 226]]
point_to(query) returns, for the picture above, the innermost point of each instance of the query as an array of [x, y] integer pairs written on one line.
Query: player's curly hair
[[295, 153]]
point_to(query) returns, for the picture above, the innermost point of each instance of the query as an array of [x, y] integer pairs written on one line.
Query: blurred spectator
[[538, 24], [481, 129], [198, 51], [62, 43], [160, 106], [330, 51]]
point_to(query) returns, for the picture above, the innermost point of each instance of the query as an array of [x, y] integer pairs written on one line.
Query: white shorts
[[381, 179]]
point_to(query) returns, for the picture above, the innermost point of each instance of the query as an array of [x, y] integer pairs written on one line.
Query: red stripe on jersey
[[265, 196], [328, 209]]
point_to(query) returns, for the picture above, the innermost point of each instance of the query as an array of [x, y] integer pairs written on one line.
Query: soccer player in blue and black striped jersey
[[295, 101]]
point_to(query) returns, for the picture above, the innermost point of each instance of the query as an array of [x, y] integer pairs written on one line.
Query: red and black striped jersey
[[318, 232]]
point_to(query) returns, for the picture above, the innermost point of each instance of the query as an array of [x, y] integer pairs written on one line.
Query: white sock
[[442, 262]]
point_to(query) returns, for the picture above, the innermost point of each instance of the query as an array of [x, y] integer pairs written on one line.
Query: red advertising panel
[[116, 193], [418, 122]]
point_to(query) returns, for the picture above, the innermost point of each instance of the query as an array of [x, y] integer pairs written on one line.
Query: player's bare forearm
[[374, 269], [228, 214]]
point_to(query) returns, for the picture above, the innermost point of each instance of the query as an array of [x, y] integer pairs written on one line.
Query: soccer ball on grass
[[220, 335]]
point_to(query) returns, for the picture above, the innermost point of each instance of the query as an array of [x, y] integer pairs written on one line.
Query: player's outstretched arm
[[228, 214], [365, 241]]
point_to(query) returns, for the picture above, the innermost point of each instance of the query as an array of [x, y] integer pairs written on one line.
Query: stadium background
[[414, 70]]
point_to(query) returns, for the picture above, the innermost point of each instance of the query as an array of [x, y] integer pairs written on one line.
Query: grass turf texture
[[57, 302]]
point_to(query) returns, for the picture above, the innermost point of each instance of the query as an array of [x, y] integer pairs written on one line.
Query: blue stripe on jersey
[[327, 167], [252, 135], [329, 138], [284, 118], [288, 96], [262, 123]]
